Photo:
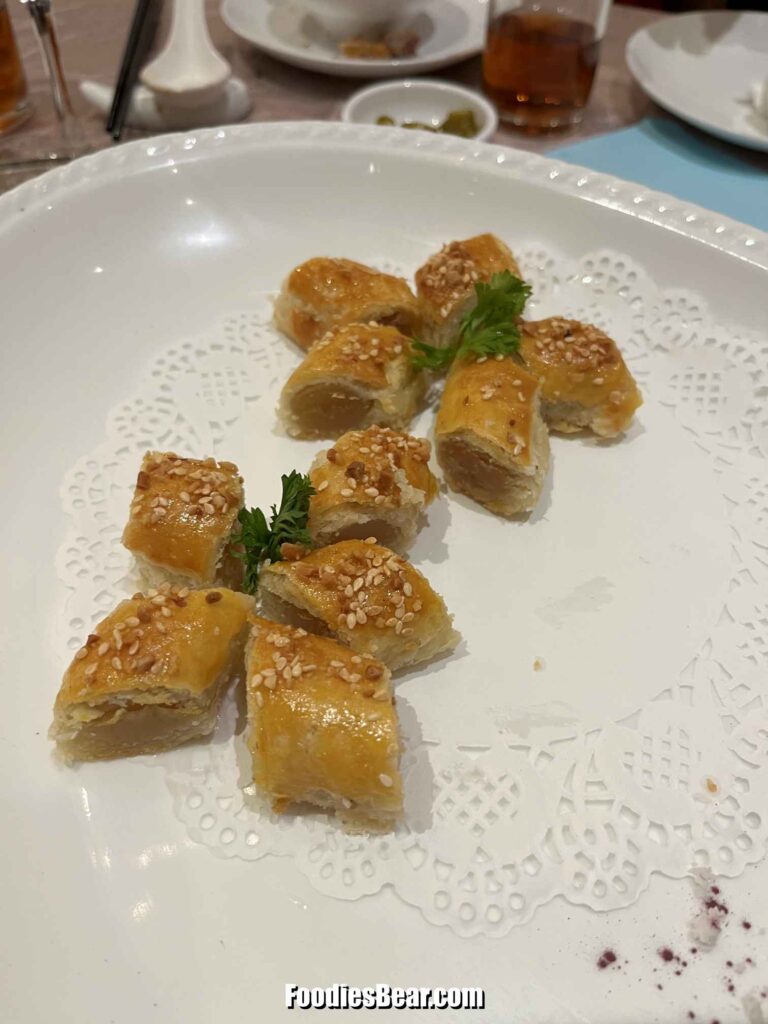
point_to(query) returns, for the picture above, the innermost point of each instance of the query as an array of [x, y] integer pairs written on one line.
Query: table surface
[[92, 37]]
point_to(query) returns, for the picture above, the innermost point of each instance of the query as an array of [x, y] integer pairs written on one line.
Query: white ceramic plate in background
[[420, 99], [702, 67], [450, 30], [112, 912]]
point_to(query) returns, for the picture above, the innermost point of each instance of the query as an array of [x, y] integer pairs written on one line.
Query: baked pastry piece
[[324, 293], [151, 676], [367, 596], [182, 517], [354, 376], [373, 482], [322, 727], [490, 438], [584, 380], [445, 284]]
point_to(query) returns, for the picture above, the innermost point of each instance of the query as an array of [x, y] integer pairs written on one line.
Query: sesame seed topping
[[385, 780]]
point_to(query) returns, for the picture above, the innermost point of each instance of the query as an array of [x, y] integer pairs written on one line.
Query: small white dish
[[345, 18], [419, 99], [703, 68], [449, 31]]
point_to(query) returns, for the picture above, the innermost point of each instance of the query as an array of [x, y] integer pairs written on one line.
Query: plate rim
[[351, 68], [630, 55], [729, 236]]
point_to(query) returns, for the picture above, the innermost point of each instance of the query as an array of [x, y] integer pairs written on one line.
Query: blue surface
[[670, 157]]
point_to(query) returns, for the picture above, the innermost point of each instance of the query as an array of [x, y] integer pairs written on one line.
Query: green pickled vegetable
[[460, 122]]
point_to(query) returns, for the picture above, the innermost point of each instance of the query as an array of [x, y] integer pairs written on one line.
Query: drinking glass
[[540, 59], [14, 103]]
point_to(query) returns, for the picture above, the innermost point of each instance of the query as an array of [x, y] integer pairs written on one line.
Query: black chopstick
[[140, 37]]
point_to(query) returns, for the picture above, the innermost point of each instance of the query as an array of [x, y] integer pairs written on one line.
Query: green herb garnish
[[489, 329], [260, 541]]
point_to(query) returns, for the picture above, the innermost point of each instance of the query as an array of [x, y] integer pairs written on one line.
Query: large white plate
[[702, 67], [451, 30], [111, 911]]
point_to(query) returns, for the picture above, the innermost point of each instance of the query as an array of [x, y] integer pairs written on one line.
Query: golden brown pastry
[[367, 596], [373, 482], [584, 380], [445, 284], [322, 727], [354, 376], [324, 293], [151, 676], [490, 438], [182, 517]]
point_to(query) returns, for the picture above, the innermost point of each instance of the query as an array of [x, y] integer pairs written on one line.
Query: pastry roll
[[490, 438], [584, 380], [325, 293], [182, 517], [354, 376], [373, 482], [445, 284], [367, 596], [322, 727], [152, 675]]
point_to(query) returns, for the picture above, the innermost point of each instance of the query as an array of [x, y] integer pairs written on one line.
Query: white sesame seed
[[116, 663], [102, 649], [132, 621], [385, 780], [351, 620], [322, 486], [166, 611], [257, 679], [91, 669], [82, 653], [259, 699]]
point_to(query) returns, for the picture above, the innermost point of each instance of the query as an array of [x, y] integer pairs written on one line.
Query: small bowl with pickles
[[423, 104]]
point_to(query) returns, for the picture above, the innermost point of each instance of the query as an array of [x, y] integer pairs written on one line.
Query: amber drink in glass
[[540, 59]]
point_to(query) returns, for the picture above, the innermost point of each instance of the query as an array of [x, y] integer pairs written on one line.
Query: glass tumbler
[[540, 59], [14, 104]]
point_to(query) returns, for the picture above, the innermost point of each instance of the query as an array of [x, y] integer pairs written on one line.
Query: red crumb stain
[[607, 957], [746, 924], [666, 954]]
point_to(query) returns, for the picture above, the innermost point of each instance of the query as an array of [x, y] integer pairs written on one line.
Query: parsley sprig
[[259, 540], [489, 329]]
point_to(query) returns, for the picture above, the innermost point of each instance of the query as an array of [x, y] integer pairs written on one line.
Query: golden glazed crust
[[445, 284], [490, 438], [322, 726], [371, 482], [366, 366], [167, 641], [152, 674], [584, 380], [182, 514], [362, 462], [494, 399], [370, 598], [324, 293]]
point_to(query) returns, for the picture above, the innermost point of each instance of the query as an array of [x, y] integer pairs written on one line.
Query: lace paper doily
[[641, 746]]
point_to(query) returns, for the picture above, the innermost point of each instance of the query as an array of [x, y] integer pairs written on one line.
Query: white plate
[[420, 99], [113, 909], [702, 67], [451, 30]]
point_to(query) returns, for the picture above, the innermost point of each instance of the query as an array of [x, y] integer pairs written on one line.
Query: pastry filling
[[389, 534], [274, 607], [328, 411], [473, 472]]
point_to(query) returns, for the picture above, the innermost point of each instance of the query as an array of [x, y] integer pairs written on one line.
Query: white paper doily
[[640, 583]]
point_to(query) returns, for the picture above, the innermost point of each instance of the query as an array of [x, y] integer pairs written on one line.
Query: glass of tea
[[540, 59], [14, 104]]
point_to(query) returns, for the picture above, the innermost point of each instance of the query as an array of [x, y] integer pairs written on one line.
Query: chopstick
[[140, 37]]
